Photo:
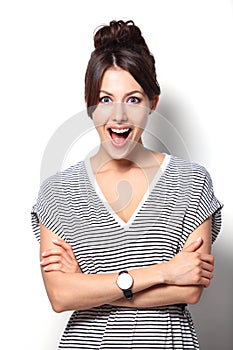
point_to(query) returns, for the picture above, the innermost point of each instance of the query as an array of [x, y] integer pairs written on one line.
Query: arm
[[72, 290], [69, 291], [173, 294]]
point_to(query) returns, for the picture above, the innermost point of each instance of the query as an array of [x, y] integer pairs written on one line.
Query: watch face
[[124, 281]]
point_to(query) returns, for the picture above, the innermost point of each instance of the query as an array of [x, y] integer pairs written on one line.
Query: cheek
[[138, 116], [101, 115]]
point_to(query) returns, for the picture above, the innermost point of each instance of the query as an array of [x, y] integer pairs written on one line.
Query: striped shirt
[[179, 199]]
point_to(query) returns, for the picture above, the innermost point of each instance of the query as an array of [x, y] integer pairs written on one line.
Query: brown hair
[[120, 44]]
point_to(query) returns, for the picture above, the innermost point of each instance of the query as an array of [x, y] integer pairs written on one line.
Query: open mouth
[[119, 135]]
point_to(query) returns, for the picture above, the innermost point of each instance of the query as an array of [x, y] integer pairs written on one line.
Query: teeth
[[120, 131]]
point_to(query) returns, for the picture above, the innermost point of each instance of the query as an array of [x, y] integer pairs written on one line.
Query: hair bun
[[119, 33]]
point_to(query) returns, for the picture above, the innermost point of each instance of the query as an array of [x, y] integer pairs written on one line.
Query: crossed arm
[[180, 280]]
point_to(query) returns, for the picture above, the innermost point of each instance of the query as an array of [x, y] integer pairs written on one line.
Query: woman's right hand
[[60, 258], [190, 267]]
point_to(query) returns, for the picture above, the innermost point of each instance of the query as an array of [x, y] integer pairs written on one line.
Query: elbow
[[194, 295], [61, 302], [57, 307], [57, 302]]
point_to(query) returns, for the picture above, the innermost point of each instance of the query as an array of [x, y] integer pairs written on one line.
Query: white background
[[45, 46]]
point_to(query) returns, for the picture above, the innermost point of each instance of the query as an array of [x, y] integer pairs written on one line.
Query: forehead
[[117, 79]]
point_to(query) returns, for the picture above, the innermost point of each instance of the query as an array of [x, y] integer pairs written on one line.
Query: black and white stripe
[[180, 199]]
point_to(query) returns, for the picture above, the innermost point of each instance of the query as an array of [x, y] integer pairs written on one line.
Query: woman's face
[[121, 113]]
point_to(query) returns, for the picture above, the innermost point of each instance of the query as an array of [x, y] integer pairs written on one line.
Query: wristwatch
[[125, 283]]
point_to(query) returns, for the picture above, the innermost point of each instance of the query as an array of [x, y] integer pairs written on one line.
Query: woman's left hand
[[60, 258]]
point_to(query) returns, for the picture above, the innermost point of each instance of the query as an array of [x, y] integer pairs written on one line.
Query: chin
[[119, 153]]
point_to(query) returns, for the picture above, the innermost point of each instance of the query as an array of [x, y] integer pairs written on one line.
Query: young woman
[[125, 236]]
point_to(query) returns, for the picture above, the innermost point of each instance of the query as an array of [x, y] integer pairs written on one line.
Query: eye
[[105, 99], [134, 99]]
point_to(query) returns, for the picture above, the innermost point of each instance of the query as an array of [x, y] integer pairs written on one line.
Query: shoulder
[[188, 165], [64, 177], [187, 169]]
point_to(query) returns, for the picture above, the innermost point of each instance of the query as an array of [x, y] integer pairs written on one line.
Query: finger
[[62, 244], [67, 247], [202, 276], [65, 265], [194, 245], [61, 254], [55, 251], [203, 279], [207, 274], [205, 282], [54, 264], [54, 267], [207, 267], [207, 258], [50, 260], [58, 266]]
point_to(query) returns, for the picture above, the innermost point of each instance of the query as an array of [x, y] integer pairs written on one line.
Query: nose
[[119, 114]]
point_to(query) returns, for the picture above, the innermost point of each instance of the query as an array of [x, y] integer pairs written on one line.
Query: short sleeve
[[45, 211], [208, 206], [203, 205]]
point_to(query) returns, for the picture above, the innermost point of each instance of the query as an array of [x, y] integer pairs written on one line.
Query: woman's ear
[[153, 103]]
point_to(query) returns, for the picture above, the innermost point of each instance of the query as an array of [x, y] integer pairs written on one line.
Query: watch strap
[[128, 293]]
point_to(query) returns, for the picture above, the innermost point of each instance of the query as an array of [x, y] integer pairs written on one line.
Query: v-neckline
[[121, 222]]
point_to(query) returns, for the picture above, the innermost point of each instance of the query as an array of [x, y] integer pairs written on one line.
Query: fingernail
[[198, 239], [42, 261]]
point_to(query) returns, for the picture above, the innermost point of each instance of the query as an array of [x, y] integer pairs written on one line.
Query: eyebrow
[[127, 94]]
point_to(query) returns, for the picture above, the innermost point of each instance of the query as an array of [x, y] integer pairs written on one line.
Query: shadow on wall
[[213, 315], [173, 129]]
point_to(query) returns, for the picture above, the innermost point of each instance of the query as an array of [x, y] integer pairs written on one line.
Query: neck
[[140, 157]]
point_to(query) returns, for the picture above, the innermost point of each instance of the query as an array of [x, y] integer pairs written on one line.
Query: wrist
[[125, 282], [165, 276]]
